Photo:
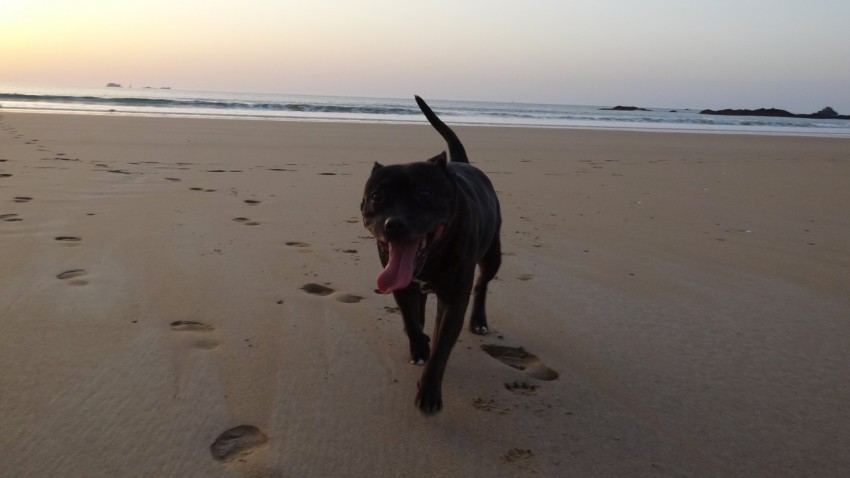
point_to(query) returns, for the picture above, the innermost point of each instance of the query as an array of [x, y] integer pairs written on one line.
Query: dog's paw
[[479, 329], [420, 352], [419, 357], [429, 400]]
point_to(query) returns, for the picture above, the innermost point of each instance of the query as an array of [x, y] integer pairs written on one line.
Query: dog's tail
[[456, 151]]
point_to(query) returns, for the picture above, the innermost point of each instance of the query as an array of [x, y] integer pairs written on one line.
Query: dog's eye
[[376, 197], [424, 193]]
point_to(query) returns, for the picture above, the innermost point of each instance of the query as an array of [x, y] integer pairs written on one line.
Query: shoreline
[[160, 277], [277, 107], [716, 130]]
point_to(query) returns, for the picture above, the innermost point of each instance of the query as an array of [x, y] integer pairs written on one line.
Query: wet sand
[[194, 298]]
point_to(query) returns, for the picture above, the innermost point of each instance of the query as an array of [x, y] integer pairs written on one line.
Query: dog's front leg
[[450, 313], [411, 302]]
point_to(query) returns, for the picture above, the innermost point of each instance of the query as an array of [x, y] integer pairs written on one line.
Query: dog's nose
[[395, 225]]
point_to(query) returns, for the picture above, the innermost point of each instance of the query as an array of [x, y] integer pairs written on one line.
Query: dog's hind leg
[[487, 269], [411, 302]]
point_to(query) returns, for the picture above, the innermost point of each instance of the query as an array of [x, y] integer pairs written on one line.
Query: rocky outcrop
[[624, 108], [113, 85], [759, 112], [826, 113]]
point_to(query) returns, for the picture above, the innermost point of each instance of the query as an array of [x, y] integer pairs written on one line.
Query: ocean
[[179, 103]]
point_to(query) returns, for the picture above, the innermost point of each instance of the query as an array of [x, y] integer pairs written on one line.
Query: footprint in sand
[[521, 388], [488, 405], [236, 442], [252, 201], [173, 179], [72, 276], [297, 244], [317, 289], [5, 175], [192, 326], [68, 239], [519, 359], [10, 218], [321, 290], [246, 221], [22, 199], [348, 298], [516, 455]]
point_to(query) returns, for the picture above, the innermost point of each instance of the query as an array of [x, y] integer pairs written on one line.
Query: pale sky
[[658, 53]]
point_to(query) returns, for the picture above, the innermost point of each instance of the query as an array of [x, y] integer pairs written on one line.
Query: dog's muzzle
[[406, 258]]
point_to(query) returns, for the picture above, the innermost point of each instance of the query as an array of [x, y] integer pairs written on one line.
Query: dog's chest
[[424, 287]]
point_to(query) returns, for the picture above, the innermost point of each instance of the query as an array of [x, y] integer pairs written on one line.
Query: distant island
[[624, 108], [826, 113], [118, 85]]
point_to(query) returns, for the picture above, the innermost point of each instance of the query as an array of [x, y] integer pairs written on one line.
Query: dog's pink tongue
[[399, 271]]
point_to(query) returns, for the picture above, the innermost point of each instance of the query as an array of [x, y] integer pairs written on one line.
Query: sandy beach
[[691, 292]]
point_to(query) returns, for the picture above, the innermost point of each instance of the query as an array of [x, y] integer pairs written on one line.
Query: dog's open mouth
[[406, 258]]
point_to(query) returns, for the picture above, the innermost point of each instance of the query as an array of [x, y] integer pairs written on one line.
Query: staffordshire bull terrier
[[434, 221]]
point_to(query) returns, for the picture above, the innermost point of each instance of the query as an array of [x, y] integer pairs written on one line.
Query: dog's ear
[[440, 159], [377, 166]]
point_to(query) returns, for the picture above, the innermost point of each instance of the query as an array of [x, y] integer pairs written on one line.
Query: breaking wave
[[157, 102]]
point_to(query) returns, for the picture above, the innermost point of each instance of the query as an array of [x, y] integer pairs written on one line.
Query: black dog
[[434, 221]]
